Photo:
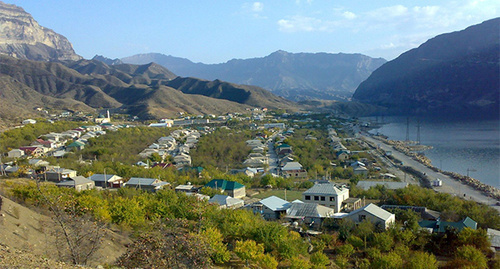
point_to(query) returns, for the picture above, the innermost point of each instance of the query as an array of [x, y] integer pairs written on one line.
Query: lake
[[463, 147]]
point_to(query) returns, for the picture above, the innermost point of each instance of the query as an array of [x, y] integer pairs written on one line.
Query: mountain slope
[[295, 76], [150, 91], [453, 74], [22, 37]]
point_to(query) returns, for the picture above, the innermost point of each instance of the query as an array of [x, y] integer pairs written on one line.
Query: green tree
[[383, 241], [219, 253], [469, 257], [421, 260], [365, 229], [319, 260]]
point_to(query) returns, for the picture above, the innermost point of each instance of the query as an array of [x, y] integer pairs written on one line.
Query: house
[[390, 185], [107, 181], [59, 174], [438, 226], [78, 145], [326, 194], [232, 188], [357, 164], [293, 169], [149, 184], [182, 160], [226, 201], [494, 236], [38, 163], [274, 125], [28, 121], [342, 155], [270, 208], [186, 188], [374, 214], [361, 170], [15, 153], [308, 213], [79, 183], [33, 151], [43, 143]]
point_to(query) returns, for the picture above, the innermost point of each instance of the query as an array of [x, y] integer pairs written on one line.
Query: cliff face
[[454, 74], [22, 37]]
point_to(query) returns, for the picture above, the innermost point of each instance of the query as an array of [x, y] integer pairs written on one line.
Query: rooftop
[[324, 188]]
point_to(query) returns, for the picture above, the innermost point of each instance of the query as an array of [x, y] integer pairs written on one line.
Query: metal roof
[[100, 177], [224, 184], [78, 180], [225, 200], [324, 188], [141, 181], [275, 203], [308, 210], [375, 211]]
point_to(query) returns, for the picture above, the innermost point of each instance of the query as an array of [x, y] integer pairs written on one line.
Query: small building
[[186, 188], [107, 181], [33, 151], [438, 226], [437, 182], [226, 201], [361, 170], [293, 169], [78, 145], [342, 155], [79, 183], [271, 208], [28, 121], [148, 184], [59, 174], [15, 153], [390, 185], [374, 214], [326, 194], [38, 163], [232, 188], [308, 213]]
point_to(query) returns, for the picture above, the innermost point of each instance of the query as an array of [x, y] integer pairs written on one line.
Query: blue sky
[[216, 31]]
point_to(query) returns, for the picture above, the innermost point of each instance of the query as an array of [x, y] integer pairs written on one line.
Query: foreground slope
[[451, 74]]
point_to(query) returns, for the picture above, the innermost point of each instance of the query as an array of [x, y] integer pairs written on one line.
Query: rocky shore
[[408, 148]]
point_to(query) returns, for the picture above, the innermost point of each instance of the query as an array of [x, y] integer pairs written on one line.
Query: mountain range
[[453, 74], [39, 68], [295, 76]]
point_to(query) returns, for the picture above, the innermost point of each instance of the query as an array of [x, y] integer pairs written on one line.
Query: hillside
[[27, 240], [149, 91], [22, 37], [451, 74], [296, 76]]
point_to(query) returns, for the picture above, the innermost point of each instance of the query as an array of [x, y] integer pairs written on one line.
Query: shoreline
[[403, 147]]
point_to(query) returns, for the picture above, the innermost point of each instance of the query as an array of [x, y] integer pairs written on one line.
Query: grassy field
[[290, 195]]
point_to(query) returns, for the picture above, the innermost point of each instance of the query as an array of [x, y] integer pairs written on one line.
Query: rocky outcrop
[[22, 37]]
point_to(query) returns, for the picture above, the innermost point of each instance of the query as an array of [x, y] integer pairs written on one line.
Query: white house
[[29, 121], [374, 214], [15, 153], [326, 194]]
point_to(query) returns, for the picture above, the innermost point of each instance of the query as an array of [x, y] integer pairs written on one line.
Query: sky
[[216, 31]]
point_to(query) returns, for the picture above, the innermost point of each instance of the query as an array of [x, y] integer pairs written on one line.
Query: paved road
[[450, 185]]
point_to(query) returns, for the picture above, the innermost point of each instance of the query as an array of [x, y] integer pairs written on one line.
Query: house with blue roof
[[232, 188], [271, 208]]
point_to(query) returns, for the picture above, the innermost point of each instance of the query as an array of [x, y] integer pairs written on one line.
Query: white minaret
[[109, 118]]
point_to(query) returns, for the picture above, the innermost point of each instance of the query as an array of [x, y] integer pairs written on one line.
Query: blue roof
[[275, 203], [100, 177]]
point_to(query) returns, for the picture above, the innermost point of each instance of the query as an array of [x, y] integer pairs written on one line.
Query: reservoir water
[[465, 147]]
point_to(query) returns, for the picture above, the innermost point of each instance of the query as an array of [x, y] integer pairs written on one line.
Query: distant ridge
[[453, 74], [22, 37], [296, 76]]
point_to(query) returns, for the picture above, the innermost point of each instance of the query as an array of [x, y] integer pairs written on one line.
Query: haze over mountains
[[295, 76], [449, 75]]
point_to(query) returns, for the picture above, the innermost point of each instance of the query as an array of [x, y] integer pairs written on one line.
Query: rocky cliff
[[22, 37]]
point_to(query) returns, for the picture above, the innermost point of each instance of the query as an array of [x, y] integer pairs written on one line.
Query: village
[[274, 179]]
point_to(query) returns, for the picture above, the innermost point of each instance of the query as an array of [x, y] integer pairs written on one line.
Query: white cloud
[[257, 6], [305, 24], [349, 15]]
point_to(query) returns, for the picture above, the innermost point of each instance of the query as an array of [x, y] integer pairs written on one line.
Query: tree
[[319, 260], [219, 253], [421, 260], [469, 257], [365, 229], [383, 241]]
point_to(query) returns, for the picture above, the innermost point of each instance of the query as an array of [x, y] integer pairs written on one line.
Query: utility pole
[[407, 129]]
